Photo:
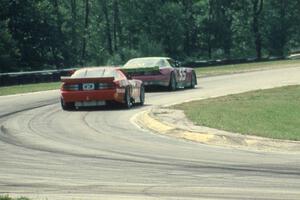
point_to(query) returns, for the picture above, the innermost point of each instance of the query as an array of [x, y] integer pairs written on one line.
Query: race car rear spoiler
[[140, 69], [67, 79]]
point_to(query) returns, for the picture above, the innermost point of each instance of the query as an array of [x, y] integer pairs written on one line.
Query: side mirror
[[177, 64], [71, 72], [129, 77]]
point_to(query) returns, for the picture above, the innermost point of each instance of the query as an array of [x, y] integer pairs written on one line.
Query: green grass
[[240, 68], [9, 198], [28, 88], [273, 113]]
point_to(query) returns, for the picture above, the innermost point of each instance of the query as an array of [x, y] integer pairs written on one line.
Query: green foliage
[[114, 60], [9, 53], [56, 34], [149, 47], [281, 18]]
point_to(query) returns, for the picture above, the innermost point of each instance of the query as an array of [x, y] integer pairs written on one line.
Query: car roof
[[100, 67], [151, 58]]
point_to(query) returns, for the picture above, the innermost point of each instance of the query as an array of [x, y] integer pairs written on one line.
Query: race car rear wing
[[71, 80], [141, 71]]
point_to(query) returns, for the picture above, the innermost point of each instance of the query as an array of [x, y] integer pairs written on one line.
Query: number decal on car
[[88, 86], [182, 74]]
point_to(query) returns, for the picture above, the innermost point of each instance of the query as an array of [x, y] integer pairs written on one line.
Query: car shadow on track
[[150, 89], [109, 108], [156, 89]]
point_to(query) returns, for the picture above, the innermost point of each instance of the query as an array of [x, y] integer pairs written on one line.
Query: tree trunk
[[84, 39], [56, 47], [257, 8], [209, 34], [187, 26], [74, 35], [107, 27], [283, 27], [115, 25]]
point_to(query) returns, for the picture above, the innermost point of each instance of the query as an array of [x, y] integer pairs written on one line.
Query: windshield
[[95, 73], [145, 62]]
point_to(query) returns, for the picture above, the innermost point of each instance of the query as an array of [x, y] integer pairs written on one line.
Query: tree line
[[54, 34]]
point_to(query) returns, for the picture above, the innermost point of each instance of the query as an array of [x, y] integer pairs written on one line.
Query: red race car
[[161, 71], [98, 86]]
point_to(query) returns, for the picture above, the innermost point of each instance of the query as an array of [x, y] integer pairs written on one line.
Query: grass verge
[[240, 68], [273, 113], [28, 88], [9, 198]]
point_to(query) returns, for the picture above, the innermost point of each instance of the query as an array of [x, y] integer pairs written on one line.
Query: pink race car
[[160, 71]]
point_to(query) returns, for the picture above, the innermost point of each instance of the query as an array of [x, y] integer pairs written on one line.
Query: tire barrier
[[18, 78], [209, 63]]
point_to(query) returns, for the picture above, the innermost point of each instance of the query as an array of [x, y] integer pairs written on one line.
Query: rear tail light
[[102, 86], [96, 86], [70, 87], [145, 73]]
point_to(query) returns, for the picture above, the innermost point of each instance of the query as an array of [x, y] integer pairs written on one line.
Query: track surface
[[99, 154]]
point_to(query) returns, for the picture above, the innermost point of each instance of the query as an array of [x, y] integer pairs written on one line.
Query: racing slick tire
[[67, 105], [193, 80], [142, 95], [127, 99], [172, 83]]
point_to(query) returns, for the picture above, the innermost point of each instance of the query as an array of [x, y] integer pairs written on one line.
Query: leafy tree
[[43, 34], [281, 18], [9, 53]]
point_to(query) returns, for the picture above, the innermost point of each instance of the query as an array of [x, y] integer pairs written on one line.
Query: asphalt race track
[[47, 153]]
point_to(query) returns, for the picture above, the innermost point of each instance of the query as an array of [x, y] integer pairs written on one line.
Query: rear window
[[145, 62], [95, 73]]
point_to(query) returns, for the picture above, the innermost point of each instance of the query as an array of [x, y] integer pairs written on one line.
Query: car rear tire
[[142, 95], [67, 105], [193, 80], [173, 83], [127, 100]]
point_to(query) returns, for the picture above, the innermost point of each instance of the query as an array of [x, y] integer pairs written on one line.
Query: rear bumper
[[95, 95], [160, 80]]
